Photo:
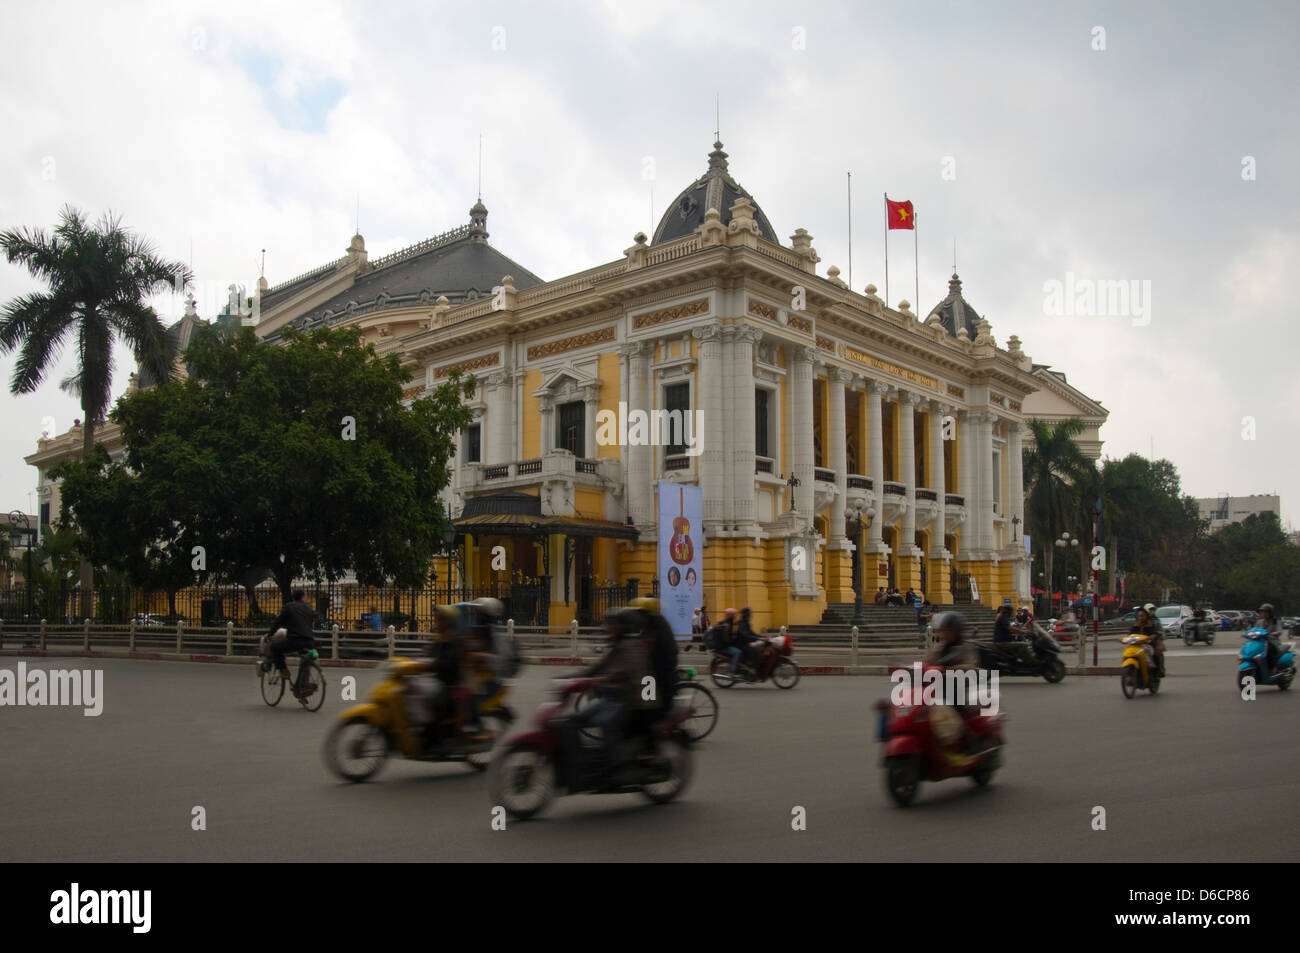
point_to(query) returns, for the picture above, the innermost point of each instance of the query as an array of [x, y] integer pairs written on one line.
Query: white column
[[728, 403], [497, 445], [801, 383], [907, 464], [547, 436], [837, 379], [640, 493], [966, 479], [985, 450], [590, 397], [876, 458], [1016, 478], [709, 388], [742, 422], [937, 480]]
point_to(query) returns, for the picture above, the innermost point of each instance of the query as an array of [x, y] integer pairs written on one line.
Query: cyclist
[[291, 632]]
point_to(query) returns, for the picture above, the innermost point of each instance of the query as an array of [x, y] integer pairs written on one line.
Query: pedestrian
[[695, 622], [704, 616]]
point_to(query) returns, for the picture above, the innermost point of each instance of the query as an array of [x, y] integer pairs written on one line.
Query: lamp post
[[15, 518], [792, 483], [1096, 583], [449, 540]]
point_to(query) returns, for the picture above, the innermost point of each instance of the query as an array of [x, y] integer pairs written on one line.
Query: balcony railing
[[586, 466], [824, 476], [860, 483], [529, 466], [895, 489], [682, 462], [930, 495], [497, 472], [954, 499], [764, 464]]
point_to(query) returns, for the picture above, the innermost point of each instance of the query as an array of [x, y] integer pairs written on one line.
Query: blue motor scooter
[[1251, 663]]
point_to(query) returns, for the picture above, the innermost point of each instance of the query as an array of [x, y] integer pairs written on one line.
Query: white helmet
[[491, 607]]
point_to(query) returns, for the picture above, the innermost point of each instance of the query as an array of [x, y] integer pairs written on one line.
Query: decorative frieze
[[997, 399], [487, 360], [801, 324], [1014, 405], [761, 310], [415, 390], [826, 344], [602, 336], [958, 392], [687, 310]]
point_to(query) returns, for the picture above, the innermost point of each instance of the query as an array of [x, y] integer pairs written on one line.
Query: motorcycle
[[917, 739], [554, 753], [1137, 668], [1047, 657], [774, 662], [1251, 662], [366, 735], [1199, 630]]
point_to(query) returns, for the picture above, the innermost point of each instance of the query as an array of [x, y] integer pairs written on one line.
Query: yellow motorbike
[[1137, 670], [366, 735]]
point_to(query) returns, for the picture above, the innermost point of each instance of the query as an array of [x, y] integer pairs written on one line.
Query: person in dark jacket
[[1148, 624], [663, 651], [619, 672], [291, 632]]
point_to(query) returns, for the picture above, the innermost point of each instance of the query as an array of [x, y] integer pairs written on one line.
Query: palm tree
[[1054, 468], [99, 279]]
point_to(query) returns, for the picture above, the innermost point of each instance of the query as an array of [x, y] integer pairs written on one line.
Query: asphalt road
[[1194, 774]]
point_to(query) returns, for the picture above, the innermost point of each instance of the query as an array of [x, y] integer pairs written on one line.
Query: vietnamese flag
[[900, 214]]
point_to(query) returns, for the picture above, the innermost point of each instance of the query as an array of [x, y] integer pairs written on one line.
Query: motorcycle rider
[[1268, 620], [728, 637], [747, 639], [662, 647], [953, 651], [482, 653], [1004, 637], [291, 632], [445, 658], [1147, 624], [618, 672]]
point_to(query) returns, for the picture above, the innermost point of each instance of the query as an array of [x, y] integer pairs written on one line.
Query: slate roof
[[179, 334], [955, 311], [714, 189]]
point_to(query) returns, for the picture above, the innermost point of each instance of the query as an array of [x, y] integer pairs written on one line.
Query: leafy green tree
[[294, 460], [99, 279], [1054, 468]]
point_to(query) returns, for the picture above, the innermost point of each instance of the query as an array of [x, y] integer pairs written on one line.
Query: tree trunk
[[87, 571]]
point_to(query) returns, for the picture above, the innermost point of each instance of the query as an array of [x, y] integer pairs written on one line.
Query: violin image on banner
[[681, 549]]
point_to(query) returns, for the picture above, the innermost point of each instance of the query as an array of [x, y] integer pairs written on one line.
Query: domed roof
[[714, 189], [955, 312]]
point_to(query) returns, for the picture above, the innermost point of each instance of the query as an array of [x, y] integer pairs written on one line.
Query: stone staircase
[[881, 627]]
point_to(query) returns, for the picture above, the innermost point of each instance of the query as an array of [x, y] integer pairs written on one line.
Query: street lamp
[[16, 517], [792, 483]]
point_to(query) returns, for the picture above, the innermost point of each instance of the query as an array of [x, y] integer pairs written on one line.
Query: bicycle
[[308, 685]]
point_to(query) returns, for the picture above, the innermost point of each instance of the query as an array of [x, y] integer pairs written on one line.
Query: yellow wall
[[532, 416]]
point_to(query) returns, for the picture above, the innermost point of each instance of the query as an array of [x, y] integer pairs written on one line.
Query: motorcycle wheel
[[1128, 681], [678, 756], [982, 775], [522, 780], [1153, 684], [903, 778], [495, 724], [1209, 640], [356, 749], [719, 672], [1055, 671], [1283, 682], [786, 674], [1188, 639]]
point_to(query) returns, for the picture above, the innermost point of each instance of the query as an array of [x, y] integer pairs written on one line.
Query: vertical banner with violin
[[681, 562]]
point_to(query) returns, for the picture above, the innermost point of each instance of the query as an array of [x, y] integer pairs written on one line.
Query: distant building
[[1222, 510]]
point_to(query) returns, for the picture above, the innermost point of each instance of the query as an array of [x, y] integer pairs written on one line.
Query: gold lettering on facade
[[855, 355]]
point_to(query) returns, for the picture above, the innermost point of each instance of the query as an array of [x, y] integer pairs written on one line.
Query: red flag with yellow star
[[901, 214]]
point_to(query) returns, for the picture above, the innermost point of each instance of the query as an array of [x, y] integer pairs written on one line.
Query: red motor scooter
[[555, 753], [913, 752], [774, 662]]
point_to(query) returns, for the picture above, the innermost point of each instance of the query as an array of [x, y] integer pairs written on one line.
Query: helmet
[[1149, 608], [626, 621], [1267, 607], [646, 604], [492, 608], [949, 620]]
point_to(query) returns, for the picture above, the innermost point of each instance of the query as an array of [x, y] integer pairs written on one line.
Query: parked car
[[1290, 623], [1229, 619], [1127, 620]]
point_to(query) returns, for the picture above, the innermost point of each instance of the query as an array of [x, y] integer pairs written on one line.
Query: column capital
[[748, 334], [497, 379], [634, 349], [878, 388], [804, 355], [840, 375], [545, 403], [909, 397], [710, 332], [940, 408]]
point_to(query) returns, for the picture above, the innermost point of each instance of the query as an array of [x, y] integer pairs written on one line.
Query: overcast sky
[[1155, 151]]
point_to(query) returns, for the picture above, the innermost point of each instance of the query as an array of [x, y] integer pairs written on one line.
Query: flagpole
[[916, 265], [850, 175], [886, 249]]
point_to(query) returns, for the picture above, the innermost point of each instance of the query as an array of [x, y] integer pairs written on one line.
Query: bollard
[[853, 646], [334, 642], [573, 639], [42, 635], [130, 643], [85, 635], [180, 638], [391, 645], [230, 638]]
